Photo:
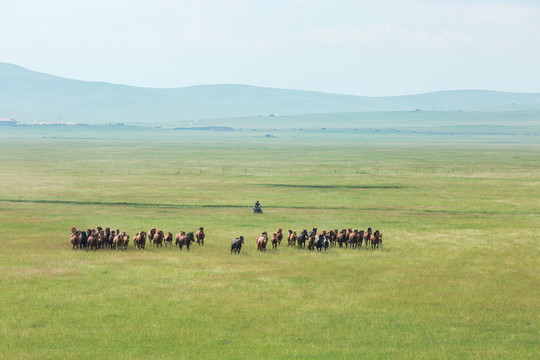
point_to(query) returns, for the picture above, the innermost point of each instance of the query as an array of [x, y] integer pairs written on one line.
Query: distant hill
[[29, 96]]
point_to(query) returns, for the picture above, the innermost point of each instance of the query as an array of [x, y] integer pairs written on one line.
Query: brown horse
[[353, 238], [92, 241], [178, 237], [151, 234], [376, 239], [279, 233], [184, 239], [332, 236], [200, 236], [311, 240], [262, 241], [360, 237], [291, 239], [118, 240], [100, 235], [75, 239], [342, 238], [367, 236], [125, 243], [168, 240], [274, 241], [157, 240], [140, 240]]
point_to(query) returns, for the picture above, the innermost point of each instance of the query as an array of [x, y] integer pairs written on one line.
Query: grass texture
[[457, 278]]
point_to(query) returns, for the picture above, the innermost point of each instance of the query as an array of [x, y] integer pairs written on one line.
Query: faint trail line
[[236, 206], [337, 186], [156, 205]]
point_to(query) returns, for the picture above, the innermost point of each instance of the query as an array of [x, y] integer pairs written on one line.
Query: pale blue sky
[[387, 47]]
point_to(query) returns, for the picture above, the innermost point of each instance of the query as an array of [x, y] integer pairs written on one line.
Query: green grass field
[[457, 278]]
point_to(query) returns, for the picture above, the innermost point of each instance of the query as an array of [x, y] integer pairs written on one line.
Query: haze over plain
[[30, 97]]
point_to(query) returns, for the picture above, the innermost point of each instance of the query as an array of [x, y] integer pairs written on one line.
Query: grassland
[[458, 277]]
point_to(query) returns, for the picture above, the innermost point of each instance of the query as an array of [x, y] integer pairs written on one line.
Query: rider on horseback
[[257, 208]]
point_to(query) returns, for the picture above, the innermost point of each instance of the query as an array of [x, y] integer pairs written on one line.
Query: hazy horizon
[[387, 48], [257, 86]]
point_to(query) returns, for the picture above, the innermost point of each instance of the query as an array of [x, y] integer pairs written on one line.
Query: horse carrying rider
[[257, 208]]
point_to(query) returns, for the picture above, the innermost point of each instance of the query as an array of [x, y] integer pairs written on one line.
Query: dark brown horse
[[279, 236], [360, 237], [151, 234], [110, 239], [236, 245], [302, 238], [184, 239], [84, 239], [342, 238]]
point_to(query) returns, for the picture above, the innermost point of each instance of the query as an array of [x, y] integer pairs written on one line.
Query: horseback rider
[[257, 208]]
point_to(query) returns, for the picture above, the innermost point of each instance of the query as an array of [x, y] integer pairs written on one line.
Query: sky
[[357, 47]]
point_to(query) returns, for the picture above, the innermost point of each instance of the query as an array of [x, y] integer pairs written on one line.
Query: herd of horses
[[94, 239], [323, 240]]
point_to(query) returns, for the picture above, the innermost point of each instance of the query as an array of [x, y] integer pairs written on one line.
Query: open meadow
[[457, 277]]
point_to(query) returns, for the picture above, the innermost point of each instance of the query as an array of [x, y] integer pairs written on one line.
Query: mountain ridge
[[29, 96]]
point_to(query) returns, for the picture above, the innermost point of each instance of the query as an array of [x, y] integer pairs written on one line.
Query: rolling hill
[[29, 96]]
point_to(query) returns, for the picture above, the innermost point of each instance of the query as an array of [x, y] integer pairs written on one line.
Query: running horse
[[274, 241], [279, 233], [311, 239], [376, 239], [200, 236], [75, 238], [342, 238], [262, 240], [302, 238], [291, 239], [168, 240], [367, 236], [184, 239]]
